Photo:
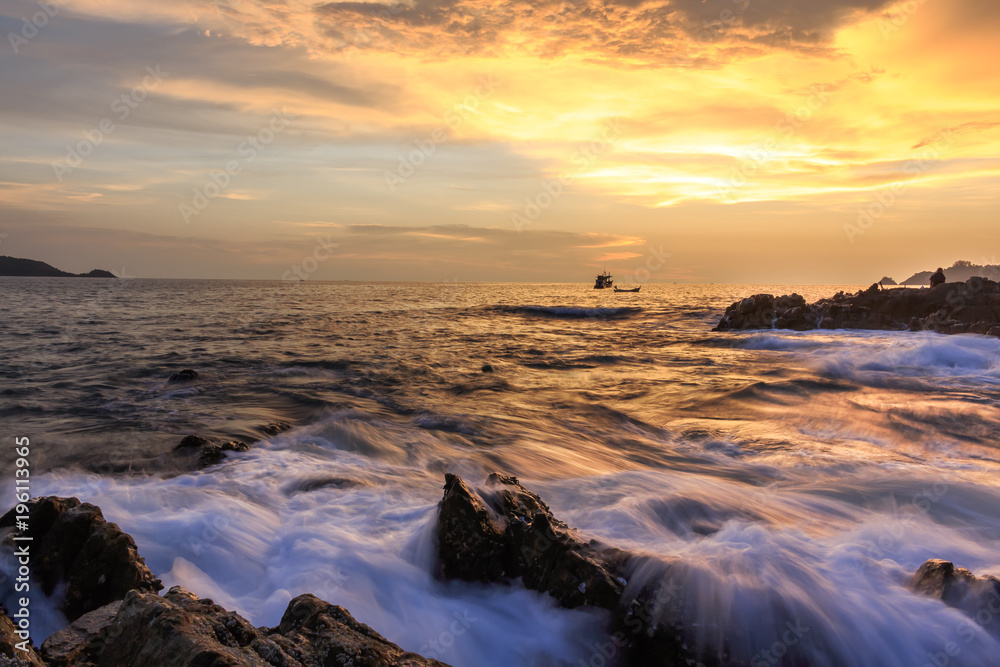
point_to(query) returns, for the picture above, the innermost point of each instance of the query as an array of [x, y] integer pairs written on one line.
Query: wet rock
[[969, 307], [317, 628], [180, 630], [80, 644], [959, 588], [10, 654], [509, 532], [207, 451], [76, 549], [275, 427], [186, 375]]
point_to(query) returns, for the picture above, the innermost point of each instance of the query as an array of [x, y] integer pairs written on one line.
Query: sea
[[793, 475]]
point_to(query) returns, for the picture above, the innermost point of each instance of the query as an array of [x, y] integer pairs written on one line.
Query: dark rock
[[959, 588], [180, 630], [206, 451], [487, 368], [275, 427], [969, 307], [510, 532], [80, 644], [330, 631], [10, 654], [75, 548], [886, 280], [186, 375]]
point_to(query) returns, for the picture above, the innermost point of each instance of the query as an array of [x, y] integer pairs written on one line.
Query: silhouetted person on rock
[[937, 278]]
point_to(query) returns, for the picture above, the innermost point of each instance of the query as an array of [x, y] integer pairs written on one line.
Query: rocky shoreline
[[950, 308], [501, 534]]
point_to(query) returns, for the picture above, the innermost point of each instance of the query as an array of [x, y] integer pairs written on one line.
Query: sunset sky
[[735, 140]]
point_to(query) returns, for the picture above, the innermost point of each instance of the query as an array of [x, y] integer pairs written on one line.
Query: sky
[[745, 141]]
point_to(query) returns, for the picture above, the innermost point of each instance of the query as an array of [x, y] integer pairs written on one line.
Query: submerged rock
[[274, 427], [186, 375], [75, 549], [969, 307], [960, 588], [208, 451], [180, 630]]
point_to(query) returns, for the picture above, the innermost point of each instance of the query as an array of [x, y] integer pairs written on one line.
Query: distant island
[[958, 272], [17, 266]]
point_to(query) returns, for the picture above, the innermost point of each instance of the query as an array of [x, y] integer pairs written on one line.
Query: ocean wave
[[573, 312], [916, 355]]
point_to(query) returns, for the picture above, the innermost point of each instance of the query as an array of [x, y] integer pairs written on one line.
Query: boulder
[[180, 630], [275, 427], [205, 452], [75, 549], [505, 533], [959, 588], [509, 532], [186, 375], [10, 654]]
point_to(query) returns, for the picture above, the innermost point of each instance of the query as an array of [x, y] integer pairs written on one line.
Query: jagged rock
[[969, 307], [180, 630], [275, 427], [510, 533], [186, 375], [958, 588], [317, 628], [10, 655], [206, 451], [76, 548], [80, 644]]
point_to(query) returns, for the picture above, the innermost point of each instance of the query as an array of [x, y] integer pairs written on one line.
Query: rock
[[180, 630], [76, 549], [969, 307], [275, 427], [330, 631], [206, 451], [510, 532], [959, 588], [487, 368], [10, 654], [186, 375], [886, 280], [79, 645]]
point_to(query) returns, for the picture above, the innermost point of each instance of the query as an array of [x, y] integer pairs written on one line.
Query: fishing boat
[[604, 280], [634, 289]]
